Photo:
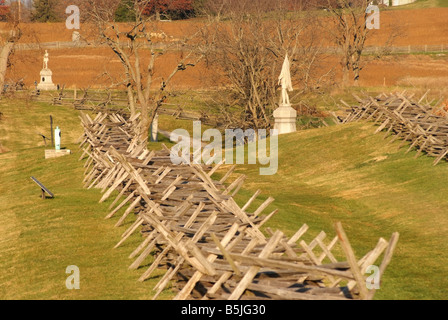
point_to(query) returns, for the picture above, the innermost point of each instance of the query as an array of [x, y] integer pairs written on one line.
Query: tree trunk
[[144, 123], [4, 55], [356, 76], [356, 62], [345, 72], [131, 99]]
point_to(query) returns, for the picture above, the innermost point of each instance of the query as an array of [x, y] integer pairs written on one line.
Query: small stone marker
[[57, 151], [57, 135], [52, 153]]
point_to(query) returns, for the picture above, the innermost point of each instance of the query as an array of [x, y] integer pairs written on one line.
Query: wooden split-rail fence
[[117, 102], [417, 123], [209, 246]]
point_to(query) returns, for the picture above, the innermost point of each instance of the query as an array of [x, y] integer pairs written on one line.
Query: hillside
[[40, 239], [347, 174], [342, 173]]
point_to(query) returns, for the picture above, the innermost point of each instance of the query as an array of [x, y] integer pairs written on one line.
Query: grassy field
[[347, 174], [39, 239], [339, 173]]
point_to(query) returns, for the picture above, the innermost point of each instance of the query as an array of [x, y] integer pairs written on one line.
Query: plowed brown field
[[419, 26], [87, 66]]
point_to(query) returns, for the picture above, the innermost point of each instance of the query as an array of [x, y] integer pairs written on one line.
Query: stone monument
[[46, 83], [285, 116]]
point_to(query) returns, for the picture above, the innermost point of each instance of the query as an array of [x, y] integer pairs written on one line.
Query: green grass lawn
[[339, 173], [347, 174], [40, 238]]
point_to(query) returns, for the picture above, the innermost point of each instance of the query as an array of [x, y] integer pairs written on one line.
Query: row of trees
[[54, 10]]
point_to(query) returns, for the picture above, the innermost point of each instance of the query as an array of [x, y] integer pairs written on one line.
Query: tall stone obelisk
[[285, 116], [46, 83]]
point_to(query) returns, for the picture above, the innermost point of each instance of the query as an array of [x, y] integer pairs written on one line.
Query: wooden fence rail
[[422, 125], [176, 45]]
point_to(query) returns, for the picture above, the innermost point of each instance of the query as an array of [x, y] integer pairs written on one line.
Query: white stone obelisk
[[46, 83], [285, 116]]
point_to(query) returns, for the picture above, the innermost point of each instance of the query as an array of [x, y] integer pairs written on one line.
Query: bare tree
[[133, 44], [10, 36], [349, 31], [249, 41]]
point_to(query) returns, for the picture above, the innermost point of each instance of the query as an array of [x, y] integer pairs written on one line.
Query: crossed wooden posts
[[210, 247], [418, 124]]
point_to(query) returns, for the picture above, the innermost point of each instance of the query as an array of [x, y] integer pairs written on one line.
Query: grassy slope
[[39, 239], [325, 175], [347, 174]]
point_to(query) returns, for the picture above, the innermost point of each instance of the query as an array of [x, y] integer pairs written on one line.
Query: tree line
[[54, 10]]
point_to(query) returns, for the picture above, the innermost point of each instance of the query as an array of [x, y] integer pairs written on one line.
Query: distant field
[[423, 22], [84, 67], [92, 67]]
